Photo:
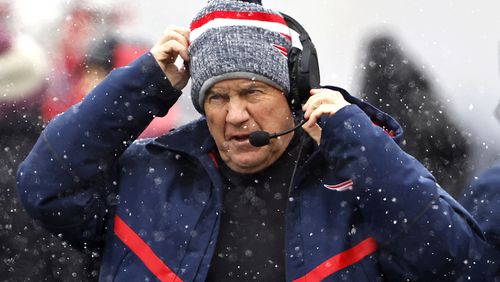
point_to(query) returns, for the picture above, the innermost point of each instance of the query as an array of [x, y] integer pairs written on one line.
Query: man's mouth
[[240, 137]]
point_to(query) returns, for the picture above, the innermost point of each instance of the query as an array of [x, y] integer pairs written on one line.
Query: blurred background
[[455, 44], [434, 65]]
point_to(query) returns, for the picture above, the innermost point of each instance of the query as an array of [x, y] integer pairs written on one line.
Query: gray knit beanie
[[235, 39]]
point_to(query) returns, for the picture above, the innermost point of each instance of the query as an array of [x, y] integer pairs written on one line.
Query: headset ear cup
[[293, 68], [304, 75], [309, 76], [303, 66]]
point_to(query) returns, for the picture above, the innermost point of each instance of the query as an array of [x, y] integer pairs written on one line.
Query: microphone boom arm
[[262, 138], [276, 134]]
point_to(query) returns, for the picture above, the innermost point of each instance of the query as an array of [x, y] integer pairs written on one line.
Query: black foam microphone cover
[[259, 138]]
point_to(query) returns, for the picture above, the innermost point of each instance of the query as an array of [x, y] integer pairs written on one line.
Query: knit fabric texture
[[234, 39]]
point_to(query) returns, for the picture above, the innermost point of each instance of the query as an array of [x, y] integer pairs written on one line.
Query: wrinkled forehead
[[239, 84]]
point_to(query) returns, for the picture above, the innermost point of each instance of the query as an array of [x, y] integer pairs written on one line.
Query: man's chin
[[247, 165]]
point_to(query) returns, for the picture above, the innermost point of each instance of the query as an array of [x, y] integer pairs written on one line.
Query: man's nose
[[237, 112]]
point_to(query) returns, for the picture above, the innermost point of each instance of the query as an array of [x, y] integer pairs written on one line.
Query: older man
[[338, 200]]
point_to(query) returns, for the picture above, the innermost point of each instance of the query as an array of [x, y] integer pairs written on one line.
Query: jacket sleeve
[[422, 232], [66, 181], [482, 199]]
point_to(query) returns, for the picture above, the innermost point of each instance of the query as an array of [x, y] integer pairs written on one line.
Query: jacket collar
[[192, 138]]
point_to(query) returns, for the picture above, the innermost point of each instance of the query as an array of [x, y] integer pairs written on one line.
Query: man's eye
[[216, 98], [254, 91]]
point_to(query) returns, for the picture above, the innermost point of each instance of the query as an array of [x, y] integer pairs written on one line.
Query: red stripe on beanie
[[257, 16]]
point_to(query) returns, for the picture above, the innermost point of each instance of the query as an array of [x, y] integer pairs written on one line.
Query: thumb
[[314, 131]]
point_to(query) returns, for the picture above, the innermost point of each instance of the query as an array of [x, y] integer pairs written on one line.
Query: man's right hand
[[173, 43]]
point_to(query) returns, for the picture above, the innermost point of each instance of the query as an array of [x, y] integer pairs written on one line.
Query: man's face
[[235, 108]]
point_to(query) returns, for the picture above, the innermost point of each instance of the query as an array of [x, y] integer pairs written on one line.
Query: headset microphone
[[262, 138]]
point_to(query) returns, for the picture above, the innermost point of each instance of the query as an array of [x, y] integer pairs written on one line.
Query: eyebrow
[[214, 92], [253, 85], [245, 87]]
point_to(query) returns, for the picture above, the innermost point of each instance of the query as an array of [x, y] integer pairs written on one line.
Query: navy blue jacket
[[482, 199], [360, 209]]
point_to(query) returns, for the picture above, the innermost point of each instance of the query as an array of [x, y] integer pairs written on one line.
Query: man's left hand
[[322, 102]]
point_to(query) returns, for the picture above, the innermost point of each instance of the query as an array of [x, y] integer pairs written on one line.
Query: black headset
[[303, 66]]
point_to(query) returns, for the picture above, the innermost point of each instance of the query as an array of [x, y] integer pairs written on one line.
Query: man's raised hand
[[173, 43], [322, 102]]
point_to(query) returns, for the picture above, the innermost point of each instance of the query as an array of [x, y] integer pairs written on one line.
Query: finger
[[324, 109], [317, 97], [175, 33], [322, 97], [314, 131], [313, 115], [315, 102], [309, 109], [169, 51], [185, 32], [179, 49], [182, 31], [315, 91]]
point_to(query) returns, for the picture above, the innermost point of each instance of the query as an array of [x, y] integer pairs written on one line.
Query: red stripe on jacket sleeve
[[143, 251], [340, 261]]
